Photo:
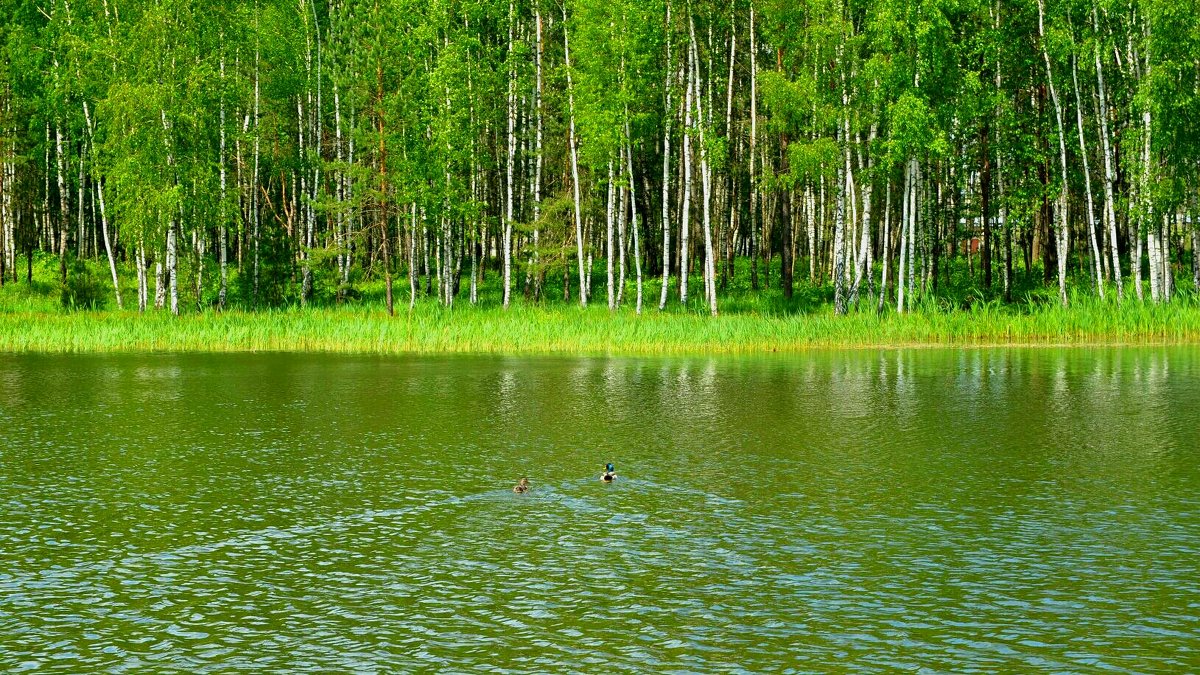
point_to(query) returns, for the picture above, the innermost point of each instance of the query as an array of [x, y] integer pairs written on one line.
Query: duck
[[522, 486], [609, 473]]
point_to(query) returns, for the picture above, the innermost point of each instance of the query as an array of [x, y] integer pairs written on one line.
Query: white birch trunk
[[583, 274], [839, 217], [160, 286], [1152, 252], [108, 246], [1004, 223], [474, 291], [710, 285], [537, 173], [512, 151], [64, 208], [633, 214], [1087, 182], [668, 117], [1063, 233], [839, 238], [622, 211], [9, 220], [222, 225], [608, 228], [886, 242], [810, 226], [80, 235], [172, 268], [685, 210], [1165, 258], [905, 205], [143, 290], [754, 246], [172, 226], [303, 206], [6, 210], [412, 258], [254, 179], [863, 265], [913, 220], [1195, 253], [1109, 161]]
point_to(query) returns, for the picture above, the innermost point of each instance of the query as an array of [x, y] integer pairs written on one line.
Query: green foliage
[[346, 117], [83, 290], [913, 131]]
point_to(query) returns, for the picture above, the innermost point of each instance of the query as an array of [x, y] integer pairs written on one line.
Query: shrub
[[82, 290]]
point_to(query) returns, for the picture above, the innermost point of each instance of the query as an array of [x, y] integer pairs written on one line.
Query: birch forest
[[635, 153]]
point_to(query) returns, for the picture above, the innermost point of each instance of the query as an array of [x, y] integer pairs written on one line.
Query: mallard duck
[[522, 486], [609, 473]]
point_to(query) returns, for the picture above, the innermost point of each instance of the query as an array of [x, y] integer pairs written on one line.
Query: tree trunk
[[1087, 182], [64, 208], [537, 175], [668, 117], [608, 227], [1008, 262], [1195, 254], [633, 214], [754, 246], [583, 274], [864, 263], [985, 204], [381, 211], [622, 210], [512, 152], [108, 246], [412, 258], [786, 220], [710, 282], [906, 206], [685, 209], [305, 268], [222, 225], [839, 236], [254, 188], [173, 266], [1062, 238], [143, 290], [886, 242], [1109, 177], [845, 173], [913, 220], [810, 230]]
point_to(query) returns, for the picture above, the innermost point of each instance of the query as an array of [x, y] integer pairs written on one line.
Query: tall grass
[[525, 329], [32, 319]]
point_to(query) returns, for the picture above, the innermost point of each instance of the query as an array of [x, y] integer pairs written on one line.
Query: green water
[[994, 510]]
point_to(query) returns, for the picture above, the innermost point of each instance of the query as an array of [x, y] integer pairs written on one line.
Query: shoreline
[[592, 332]]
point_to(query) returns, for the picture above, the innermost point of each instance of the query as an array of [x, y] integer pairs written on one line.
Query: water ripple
[[241, 523]]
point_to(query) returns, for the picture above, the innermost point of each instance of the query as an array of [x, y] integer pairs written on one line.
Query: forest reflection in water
[[954, 509]]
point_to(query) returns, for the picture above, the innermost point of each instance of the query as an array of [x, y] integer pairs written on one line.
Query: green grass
[[430, 329], [32, 319]]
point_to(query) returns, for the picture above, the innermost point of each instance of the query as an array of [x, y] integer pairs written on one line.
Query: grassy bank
[[36, 318], [593, 331]]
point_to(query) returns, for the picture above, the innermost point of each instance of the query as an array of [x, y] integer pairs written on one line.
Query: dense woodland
[[289, 152]]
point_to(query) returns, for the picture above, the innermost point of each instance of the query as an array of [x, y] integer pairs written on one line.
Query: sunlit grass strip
[[527, 330]]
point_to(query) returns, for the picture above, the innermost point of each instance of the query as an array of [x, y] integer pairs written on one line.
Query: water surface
[[981, 510]]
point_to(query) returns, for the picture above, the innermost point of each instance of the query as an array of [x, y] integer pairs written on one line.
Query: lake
[[958, 510]]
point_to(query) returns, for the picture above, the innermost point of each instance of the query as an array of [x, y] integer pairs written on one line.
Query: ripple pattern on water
[[246, 525]]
